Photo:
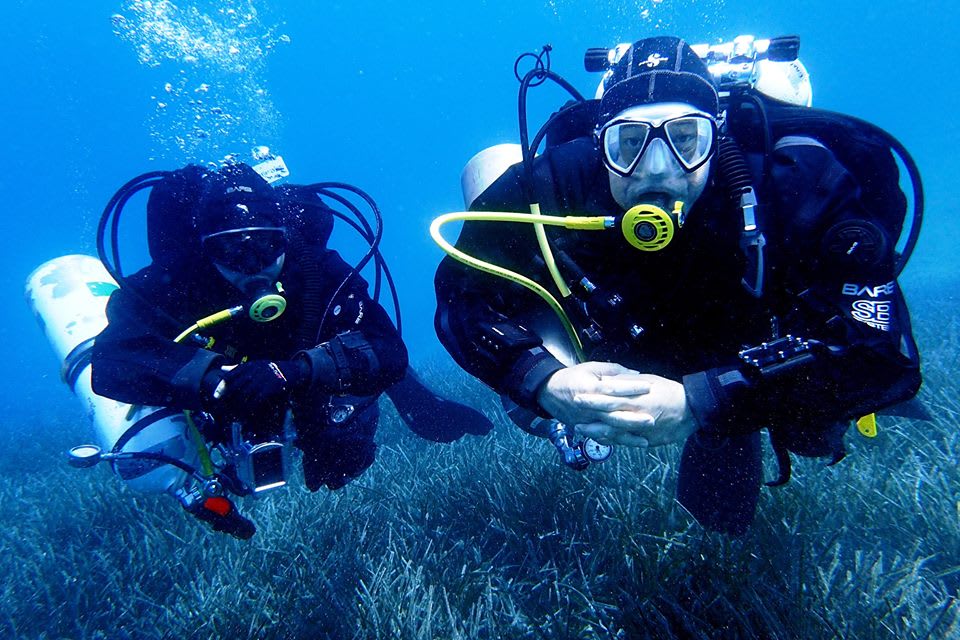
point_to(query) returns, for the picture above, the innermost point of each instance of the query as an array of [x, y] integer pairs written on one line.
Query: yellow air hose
[[547, 252], [209, 321], [581, 223], [204, 323]]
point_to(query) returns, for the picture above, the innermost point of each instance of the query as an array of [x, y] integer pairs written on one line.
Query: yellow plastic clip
[[867, 425]]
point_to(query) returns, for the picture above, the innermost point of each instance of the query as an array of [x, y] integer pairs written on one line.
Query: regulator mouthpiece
[[267, 308], [647, 227]]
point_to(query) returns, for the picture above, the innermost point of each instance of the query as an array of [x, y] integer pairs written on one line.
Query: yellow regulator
[[650, 228], [267, 308]]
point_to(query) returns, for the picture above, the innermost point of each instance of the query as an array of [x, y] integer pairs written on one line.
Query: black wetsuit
[[136, 360], [682, 312]]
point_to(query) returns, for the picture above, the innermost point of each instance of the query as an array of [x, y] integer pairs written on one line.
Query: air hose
[[581, 223], [732, 167], [202, 323]]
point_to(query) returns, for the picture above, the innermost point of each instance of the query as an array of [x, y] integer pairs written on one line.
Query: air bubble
[[228, 46]]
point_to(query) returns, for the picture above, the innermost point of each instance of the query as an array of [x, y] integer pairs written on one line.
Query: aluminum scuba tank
[[68, 295], [485, 167], [769, 66]]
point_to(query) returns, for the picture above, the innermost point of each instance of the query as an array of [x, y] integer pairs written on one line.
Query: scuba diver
[[263, 336], [726, 262]]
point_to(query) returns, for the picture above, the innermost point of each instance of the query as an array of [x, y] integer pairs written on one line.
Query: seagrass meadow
[[491, 538]]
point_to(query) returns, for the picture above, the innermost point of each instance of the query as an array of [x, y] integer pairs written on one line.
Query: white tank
[[785, 81], [484, 168], [68, 295]]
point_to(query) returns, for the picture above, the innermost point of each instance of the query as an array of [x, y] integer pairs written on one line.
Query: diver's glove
[[259, 385], [342, 364]]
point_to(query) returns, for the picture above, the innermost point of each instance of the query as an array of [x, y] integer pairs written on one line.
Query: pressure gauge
[[84, 456], [594, 451]]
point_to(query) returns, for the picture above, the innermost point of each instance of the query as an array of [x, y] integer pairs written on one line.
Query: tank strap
[[142, 424], [75, 362]]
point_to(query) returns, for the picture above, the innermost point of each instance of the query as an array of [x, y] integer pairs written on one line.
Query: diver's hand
[[664, 404], [256, 385], [587, 393]]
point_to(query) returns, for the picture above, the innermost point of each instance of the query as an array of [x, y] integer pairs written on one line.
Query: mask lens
[[249, 250], [623, 143], [691, 139]]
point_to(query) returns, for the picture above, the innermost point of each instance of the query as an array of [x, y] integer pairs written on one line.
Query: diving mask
[[251, 259], [691, 138], [248, 250]]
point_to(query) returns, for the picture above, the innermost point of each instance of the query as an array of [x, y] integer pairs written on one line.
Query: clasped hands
[[616, 405]]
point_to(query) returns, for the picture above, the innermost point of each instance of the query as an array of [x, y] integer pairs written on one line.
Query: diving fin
[[433, 417], [719, 481], [912, 408]]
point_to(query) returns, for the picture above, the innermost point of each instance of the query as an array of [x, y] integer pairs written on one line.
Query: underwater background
[[485, 537]]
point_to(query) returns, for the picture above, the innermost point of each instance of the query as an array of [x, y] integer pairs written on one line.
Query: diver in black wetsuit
[[309, 338], [696, 326]]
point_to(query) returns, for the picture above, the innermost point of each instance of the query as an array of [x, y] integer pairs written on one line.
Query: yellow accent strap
[[205, 462], [867, 425]]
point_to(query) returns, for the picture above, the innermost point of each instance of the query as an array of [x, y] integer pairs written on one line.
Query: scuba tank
[[485, 167], [68, 296]]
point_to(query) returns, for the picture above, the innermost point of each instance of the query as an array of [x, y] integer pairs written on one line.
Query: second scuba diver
[[301, 334]]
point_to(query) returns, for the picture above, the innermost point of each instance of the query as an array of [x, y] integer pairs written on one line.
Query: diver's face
[[253, 283], [658, 177]]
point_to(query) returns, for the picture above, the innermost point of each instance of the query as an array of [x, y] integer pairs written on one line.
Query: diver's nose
[[656, 159]]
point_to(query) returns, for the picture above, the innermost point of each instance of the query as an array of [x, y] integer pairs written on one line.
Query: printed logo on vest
[[875, 313], [851, 289]]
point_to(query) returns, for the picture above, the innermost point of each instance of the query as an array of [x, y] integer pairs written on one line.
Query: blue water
[[394, 98]]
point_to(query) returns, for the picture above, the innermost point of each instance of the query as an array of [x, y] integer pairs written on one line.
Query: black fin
[[433, 417], [784, 465], [838, 454], [719, 481]]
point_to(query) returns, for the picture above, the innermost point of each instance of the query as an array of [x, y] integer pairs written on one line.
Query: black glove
[[346, 363], [259, 385]]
